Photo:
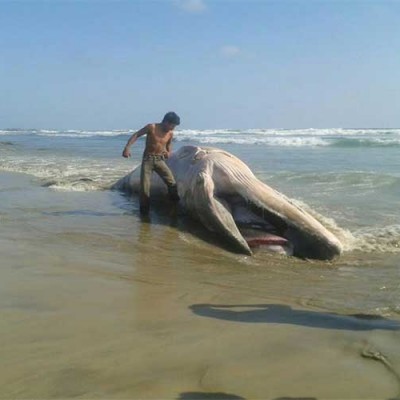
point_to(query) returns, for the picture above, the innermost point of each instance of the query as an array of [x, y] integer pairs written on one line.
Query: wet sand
[[95, 303]]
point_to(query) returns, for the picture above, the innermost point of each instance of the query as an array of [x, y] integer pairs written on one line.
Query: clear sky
[[218, 63]]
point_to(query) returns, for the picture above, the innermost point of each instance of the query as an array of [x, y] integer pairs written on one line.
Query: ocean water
[[348, 178]]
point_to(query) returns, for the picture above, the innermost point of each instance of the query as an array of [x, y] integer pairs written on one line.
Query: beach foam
[[378, 239], [68, 174]]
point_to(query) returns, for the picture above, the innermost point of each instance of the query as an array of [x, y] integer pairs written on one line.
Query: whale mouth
[[259, 229], [258, 239], [265, 239]]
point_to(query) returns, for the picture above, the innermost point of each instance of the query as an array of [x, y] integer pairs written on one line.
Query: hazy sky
[[217, 63]]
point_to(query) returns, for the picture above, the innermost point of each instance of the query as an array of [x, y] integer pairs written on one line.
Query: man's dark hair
[[171, 118]]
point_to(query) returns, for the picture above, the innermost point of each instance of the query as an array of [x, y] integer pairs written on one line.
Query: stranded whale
[[221, 192]]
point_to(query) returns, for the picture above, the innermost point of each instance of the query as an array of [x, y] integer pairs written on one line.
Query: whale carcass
[[221, 192]]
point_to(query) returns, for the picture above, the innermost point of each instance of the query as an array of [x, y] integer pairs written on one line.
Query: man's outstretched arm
[[126, 153]]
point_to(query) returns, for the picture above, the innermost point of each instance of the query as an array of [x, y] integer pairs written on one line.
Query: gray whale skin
[[221, 192]]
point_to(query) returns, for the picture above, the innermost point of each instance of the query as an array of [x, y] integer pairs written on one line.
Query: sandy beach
[[87, 311]]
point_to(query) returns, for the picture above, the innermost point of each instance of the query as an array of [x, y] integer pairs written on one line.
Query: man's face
[[168, 126]]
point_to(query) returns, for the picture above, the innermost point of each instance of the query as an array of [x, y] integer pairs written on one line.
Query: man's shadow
[[283, 314]]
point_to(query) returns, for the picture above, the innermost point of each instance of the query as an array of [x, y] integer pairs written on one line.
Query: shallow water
[[97, 302]]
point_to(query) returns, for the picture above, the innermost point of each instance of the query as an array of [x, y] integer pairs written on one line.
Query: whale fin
[[215, 214]]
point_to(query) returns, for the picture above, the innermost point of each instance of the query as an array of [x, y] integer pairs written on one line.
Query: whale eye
[[200, 155]]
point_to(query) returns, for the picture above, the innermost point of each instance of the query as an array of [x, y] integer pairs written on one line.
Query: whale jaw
[[250, 227], [228, 199]]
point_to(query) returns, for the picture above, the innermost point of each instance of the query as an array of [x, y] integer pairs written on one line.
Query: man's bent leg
[[166, 175], [173, 193], [145, 184]]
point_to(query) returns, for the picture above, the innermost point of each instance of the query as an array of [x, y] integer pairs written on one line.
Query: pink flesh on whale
[[265, 239]]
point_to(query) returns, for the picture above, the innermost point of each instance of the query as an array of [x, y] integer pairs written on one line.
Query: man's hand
[[126, 153]]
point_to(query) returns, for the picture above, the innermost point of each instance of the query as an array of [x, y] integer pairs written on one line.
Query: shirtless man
[[157, 150]]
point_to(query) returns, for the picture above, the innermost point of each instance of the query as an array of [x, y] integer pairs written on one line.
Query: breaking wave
[[336, 137], [295, 137]]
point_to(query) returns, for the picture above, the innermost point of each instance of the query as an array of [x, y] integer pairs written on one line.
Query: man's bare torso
[[157, 139]]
